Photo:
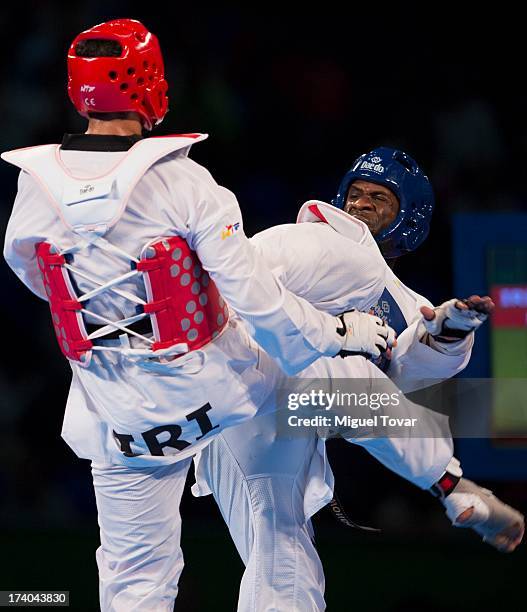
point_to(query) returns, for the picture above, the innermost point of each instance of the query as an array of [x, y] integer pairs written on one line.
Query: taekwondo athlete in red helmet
[[138, 252]]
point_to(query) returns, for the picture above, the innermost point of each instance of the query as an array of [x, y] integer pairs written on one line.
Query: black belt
[[142, 327]]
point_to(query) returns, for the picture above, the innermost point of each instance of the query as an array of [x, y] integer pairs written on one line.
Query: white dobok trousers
[[268, 486]]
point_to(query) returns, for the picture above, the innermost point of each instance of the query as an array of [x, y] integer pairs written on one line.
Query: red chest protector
[[184, 305], [183, 302]]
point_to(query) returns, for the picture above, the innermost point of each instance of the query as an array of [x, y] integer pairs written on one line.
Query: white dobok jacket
[[142, 412], [336, 265]]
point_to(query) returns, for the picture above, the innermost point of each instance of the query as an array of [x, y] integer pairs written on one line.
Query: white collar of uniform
[[316, 211]]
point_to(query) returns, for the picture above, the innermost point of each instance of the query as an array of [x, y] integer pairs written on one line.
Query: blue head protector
[[401, 174]]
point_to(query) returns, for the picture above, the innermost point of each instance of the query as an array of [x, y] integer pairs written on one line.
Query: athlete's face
[[373, 204]]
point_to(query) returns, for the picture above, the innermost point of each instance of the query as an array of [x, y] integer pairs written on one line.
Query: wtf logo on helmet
[[373, 165], [88, 101]]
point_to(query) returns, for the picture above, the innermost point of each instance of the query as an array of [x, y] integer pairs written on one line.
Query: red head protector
[[124, 74]]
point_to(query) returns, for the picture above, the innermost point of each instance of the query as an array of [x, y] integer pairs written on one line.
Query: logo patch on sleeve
[[229, 230]]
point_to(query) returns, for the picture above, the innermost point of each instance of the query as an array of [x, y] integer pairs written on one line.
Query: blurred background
[[289, 99]]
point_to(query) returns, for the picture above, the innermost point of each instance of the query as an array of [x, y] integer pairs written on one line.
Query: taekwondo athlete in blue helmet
[[268, 485], [388, 191]]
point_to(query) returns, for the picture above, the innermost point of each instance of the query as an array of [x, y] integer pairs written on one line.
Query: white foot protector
[[497, 523]]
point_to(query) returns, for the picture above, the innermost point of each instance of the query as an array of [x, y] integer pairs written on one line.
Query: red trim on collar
[[193, 135], [314, 209]]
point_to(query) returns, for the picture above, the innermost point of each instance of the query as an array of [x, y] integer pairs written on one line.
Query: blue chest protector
[[388, 310]]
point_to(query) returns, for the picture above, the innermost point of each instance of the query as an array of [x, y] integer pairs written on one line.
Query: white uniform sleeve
[[418, 358], [335, 274], [20, 239], [287, 327], [322, 266]]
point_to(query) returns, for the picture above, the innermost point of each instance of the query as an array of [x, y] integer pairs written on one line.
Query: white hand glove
[[364, 334], [455, 318], [499, 525]]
